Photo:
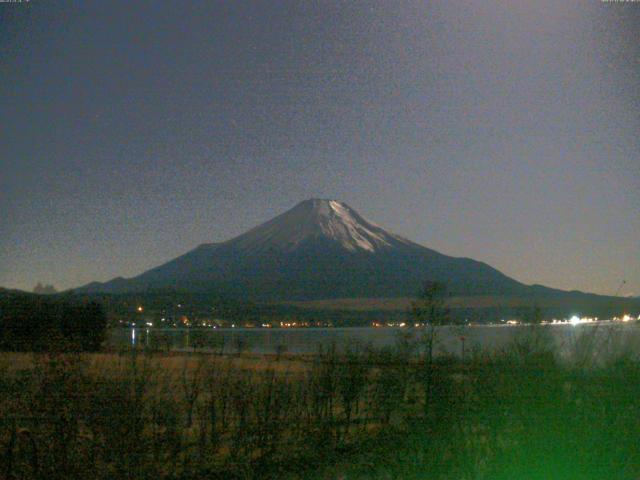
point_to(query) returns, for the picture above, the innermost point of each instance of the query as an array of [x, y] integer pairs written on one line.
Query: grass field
[[554, 306], [577, 302], [518, 413]]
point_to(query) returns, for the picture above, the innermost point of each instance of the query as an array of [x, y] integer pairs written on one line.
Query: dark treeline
[[37, 323], [200, 306], [173, 304]]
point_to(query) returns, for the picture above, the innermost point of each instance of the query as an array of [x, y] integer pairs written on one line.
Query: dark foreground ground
[[518, 413]]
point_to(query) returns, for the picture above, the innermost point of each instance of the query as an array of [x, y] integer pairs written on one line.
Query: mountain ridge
[[319, 249]]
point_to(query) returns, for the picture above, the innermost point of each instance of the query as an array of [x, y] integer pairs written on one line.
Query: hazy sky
[[508, 131]]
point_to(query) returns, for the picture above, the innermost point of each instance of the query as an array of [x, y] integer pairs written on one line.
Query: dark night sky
[[503, 131]]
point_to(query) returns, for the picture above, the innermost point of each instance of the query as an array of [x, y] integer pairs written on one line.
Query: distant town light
[[140, 309], [575, 320]]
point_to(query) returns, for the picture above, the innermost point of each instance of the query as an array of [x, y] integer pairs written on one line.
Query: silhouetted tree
[[532, 315], [430, 310], [32, 323]]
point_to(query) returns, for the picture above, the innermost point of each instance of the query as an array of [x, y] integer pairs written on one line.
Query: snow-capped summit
[[316, 219]]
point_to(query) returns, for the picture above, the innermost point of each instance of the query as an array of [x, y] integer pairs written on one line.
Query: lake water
[[607, 336]]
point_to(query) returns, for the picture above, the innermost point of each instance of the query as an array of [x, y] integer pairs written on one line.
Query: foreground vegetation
[[518, 413]]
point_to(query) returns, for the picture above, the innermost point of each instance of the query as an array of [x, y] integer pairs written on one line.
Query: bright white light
[[575, 320]]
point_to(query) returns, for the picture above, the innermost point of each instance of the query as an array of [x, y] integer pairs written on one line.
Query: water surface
[[454, 340]]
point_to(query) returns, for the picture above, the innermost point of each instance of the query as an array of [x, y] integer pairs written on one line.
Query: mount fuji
[[320, 249]]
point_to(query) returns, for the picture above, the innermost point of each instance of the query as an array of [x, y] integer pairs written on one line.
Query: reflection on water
[[451, 339]]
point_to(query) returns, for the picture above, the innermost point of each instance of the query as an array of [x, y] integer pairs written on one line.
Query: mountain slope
[[318, 249]]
